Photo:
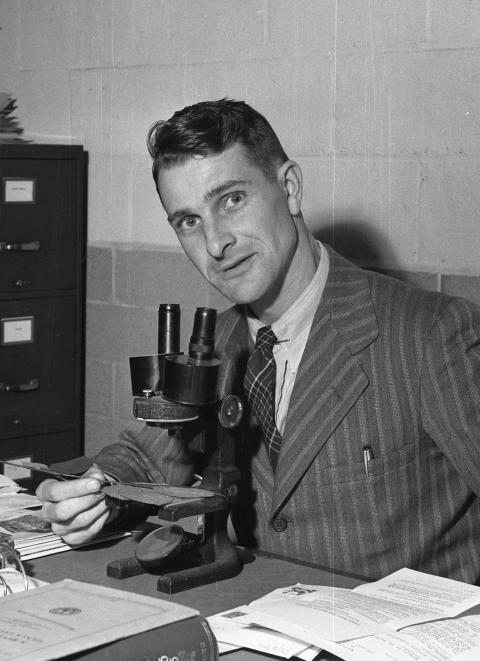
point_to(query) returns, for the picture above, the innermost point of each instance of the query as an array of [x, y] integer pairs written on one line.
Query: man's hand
[[75, 508]]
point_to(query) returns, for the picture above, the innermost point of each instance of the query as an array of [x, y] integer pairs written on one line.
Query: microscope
[[179, 392]]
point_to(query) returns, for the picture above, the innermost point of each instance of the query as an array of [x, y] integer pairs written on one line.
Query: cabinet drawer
[[39, 364], [39, 224], [45, 449]]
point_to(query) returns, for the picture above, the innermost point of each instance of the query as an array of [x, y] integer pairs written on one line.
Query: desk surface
[[264, 574]]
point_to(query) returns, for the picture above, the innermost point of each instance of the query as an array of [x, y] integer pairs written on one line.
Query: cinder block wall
[[378, 102]]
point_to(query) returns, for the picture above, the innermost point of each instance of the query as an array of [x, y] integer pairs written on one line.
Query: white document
[[8, 486], [11, 502], [223, 648], [69, 616], [441, 596], [12, 497], [318, 613], [237, 627], [442, 640]]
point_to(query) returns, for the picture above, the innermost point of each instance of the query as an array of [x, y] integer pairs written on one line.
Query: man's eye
[[188, 222], [233, 200]]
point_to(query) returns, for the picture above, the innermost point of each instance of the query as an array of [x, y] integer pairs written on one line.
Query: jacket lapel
[[330, 378]]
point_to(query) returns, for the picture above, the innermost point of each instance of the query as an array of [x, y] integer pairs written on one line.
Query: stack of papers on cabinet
[[406, 615], [10, 129]]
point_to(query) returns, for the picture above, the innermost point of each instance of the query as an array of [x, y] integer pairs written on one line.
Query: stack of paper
[[33, 537], [407, 615], [12, 498], [10, 129], [238, 627]]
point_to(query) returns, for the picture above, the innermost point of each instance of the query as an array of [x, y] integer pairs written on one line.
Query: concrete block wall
[[378, 102]]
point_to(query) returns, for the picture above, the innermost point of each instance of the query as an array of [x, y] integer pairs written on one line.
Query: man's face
[[233, 223]]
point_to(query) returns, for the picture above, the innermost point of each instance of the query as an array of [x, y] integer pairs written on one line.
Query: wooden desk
[[256, 579]]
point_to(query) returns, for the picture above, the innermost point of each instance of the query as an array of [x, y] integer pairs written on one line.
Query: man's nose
[[217, 239]]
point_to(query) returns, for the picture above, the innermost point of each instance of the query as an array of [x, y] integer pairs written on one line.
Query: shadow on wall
[[357, 240], [366, 246]]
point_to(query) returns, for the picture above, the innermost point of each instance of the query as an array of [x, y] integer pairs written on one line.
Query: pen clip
[[367, 458]]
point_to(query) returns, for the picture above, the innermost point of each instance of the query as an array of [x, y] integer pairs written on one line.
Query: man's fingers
[[81, 519], [75, 508], [66, 510], [75, 533], [56, 490]]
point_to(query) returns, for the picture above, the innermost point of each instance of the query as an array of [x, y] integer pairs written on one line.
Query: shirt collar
[[299, 316]]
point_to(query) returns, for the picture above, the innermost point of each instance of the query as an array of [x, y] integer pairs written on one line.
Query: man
[[374, 461]]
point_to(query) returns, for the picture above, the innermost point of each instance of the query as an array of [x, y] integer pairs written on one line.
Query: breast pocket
[[381, 464], [369, 513]]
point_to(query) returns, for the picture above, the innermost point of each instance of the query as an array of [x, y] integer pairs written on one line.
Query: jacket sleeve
[[152, 454], [451, 386]]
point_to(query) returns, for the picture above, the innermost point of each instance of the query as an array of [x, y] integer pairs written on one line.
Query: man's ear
[[290, 179]]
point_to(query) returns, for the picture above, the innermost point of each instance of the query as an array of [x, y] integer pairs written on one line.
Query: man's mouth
[[234, 264]]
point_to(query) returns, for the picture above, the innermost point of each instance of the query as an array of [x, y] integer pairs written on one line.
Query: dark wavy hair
[[210, 127]]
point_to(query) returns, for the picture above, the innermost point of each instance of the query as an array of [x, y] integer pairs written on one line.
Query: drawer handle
[[33, 384], [31, 246], [20, 284]]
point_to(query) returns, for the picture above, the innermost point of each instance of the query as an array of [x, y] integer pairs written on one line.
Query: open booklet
[[405, 615]]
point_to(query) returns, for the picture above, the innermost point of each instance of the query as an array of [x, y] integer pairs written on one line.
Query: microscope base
[[214, 559], [217, 570], [184, 579]]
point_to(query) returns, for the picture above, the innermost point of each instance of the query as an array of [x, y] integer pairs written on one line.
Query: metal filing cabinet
[[42, 302]]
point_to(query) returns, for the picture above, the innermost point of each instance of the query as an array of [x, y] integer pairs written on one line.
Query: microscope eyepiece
[[171, 379], [168, 328], [202, 341]]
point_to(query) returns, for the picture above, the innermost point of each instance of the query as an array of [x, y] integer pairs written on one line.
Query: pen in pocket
[[367, 458]]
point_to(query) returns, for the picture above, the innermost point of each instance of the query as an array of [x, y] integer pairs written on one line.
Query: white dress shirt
[[292, 330]]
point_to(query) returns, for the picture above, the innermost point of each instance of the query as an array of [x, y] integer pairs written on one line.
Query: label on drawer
[[17, 330], [19, 190]]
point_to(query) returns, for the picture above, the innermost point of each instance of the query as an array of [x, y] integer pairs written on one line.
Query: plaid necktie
[[260, 389]]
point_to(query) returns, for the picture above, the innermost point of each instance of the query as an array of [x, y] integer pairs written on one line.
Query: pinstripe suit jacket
[[385, 365]]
